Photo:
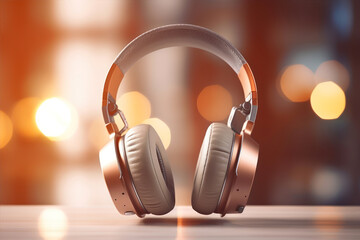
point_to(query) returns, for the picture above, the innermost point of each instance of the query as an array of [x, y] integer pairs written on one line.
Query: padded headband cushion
[[150, 169], [171, 36], [212, 166], [179, 35]]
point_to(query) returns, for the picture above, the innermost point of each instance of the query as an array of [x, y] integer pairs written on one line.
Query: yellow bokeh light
[[161, 128], [297, 82], [6, 129], [328, 100], [333, 71], [56, 119], [214, 103], [23, 117], [135, 106], [52, 224]]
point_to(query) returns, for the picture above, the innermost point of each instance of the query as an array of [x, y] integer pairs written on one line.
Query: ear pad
[[212, 167], [150, 169]]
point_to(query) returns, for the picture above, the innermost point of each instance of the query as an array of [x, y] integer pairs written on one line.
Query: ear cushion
[[212, 167], [150, 169]]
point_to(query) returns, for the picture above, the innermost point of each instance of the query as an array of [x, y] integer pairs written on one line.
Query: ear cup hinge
[[247, 109], [111, 110], [123, 119]]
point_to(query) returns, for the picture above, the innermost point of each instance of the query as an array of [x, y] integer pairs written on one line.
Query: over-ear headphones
[[134, 163]]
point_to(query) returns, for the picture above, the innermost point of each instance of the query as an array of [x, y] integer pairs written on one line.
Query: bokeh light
[[72, 57], [6, 129], [328, 100], [52, 224], [333, 71], [135, 106], [82, 14], [56, 119], [98, 135], [161, 128], [214, 103], [328, 185], [23, 117], [297, 82]]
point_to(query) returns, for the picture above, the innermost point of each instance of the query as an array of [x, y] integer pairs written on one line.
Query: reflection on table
[[257, 222]]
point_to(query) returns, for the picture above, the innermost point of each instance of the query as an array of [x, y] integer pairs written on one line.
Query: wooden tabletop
[[257, 222]]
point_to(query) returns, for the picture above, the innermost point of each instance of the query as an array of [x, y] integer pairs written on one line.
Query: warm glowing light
[[56, 119], [135, 106], [325, 216], [23, 117], [52, 224], [6, 129], [328, 100], [180, 225], [82, 14], [297, 82], [73, 57], [333, 71], [98, 135], [214, 103], [162, 129]]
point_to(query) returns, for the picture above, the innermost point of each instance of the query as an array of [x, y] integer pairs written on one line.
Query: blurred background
[[55, 55]]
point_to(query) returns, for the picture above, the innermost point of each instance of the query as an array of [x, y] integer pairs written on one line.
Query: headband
[[180, 35]]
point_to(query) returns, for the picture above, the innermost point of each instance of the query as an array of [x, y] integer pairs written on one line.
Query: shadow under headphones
[[135, 166]]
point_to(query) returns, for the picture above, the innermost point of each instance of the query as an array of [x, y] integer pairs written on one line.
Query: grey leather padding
[[154, 183], [179, 35], [212, 167]]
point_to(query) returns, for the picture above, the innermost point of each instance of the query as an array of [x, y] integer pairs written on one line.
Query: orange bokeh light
[[6, 129], [162, 129], [297, 82], [97, 133], [135, 106], [214, 103], [23, 117]]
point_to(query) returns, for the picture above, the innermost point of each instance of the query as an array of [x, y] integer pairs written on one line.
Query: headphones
[[134, 163]]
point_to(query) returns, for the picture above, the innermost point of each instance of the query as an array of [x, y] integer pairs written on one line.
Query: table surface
[[257, 222]]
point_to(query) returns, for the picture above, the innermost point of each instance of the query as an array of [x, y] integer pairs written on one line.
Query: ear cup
[[150, 169], [212, 167]]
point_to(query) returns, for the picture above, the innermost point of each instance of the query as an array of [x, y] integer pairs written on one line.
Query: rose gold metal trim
[[248, 127], [247, 81], [112, 83], [241, 176], [111, 87], [118, 180], [111, 128]]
